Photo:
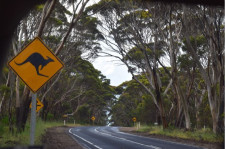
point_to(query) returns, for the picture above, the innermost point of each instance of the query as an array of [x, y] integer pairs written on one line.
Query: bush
[[199, 135], [1, 129]]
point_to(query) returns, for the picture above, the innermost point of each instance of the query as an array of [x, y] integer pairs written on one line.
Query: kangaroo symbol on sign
[[36, 59]]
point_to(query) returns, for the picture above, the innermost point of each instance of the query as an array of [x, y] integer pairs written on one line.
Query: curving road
[[112, 138]]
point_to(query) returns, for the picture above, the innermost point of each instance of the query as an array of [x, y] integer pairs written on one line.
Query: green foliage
[[146, 110], [4, 89], [83, 114], [133, 102], [57, 21], [39, 7], [2, 129], [199, 42], [50, 117], [5, 120], [5, 70], [22, 139]]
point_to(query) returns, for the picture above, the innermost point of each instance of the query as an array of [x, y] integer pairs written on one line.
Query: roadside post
[[93, 120], [65, 116], [134, 120], [36, 64]]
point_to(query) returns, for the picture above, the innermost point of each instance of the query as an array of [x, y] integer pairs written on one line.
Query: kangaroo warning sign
[[35, 64]]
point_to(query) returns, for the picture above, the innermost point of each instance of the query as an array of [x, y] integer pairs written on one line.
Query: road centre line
[[84, 139], [151, 146]]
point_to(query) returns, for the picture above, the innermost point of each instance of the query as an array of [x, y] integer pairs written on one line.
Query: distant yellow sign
[[38, 106], [35, 64], [92, 118], [134, 119], [65, 116]]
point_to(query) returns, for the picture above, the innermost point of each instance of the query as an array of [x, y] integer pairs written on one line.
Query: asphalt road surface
[[112, 138]]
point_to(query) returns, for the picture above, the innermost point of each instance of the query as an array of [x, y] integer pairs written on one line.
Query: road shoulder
[[203, 144], [59, 138]]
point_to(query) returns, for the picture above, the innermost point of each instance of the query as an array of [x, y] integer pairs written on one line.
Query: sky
[[112, 69]]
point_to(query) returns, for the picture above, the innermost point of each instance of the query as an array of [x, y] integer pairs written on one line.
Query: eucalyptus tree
[[207, 22], [83, 91], [133, 101], [49, 21], [132, 36]]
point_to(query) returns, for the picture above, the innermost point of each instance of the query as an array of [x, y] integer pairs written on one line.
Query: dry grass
[[199, 135]]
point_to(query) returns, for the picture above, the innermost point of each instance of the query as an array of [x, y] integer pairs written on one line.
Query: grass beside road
[[22, 139], [199, 135]]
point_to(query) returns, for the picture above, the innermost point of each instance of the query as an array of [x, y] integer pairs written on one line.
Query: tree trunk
[[211, 81], [17, 102], [24, 109], [49, 6], [12, 81], [215, 121], [176, 85], [197, 106], [221, 108], [212, 102], [4, 94], [159, 100], [185, 108], [198, 120]]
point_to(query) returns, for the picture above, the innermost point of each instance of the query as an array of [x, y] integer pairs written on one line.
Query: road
[[111, 138]]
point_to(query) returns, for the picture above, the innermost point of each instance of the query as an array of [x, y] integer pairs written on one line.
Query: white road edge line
[[84, 139], [151, 146], [162, 140]]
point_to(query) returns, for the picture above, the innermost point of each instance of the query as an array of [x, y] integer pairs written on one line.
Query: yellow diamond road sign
[[38, 106], [134, 119], [35, 64], [92, 118]]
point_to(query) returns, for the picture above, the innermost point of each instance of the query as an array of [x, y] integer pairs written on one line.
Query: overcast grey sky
[[110, 67], [114, 71]]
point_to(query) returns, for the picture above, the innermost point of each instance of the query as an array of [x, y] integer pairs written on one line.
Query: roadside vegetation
[[204, 134], [8, 139], [173, 52]]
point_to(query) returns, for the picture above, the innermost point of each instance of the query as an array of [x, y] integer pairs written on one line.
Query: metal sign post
[[26, 65], [33, 119]]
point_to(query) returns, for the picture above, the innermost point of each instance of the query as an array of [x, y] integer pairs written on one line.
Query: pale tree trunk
[[211, 78], [185, 108], [4, 94], [157, 89], [180, 99], [49, 6], [17, 77], [211, 89], [15, 51], [24, 110], [197, 106], [17, 99], [74, 21], [213, 106], [12, 84]]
